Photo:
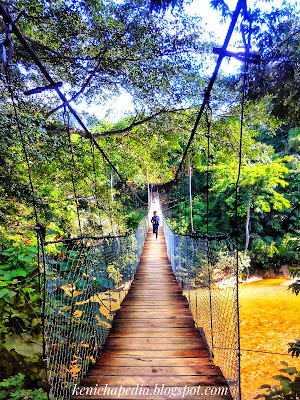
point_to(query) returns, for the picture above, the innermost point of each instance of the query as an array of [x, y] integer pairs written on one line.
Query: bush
[[289, 249], [12, 388], [289, 388], [295, 286], [227, 262], [20, 322], [264, 255], [267, 255]]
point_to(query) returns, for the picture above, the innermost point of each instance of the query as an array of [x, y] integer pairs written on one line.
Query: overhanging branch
[[136, 123]]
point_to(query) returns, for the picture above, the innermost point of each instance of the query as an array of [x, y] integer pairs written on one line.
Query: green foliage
[[275, 80], [295, 286], [267, 255], [289, 249], [133, 218], [227, 262], [19, 295], [12, 388], [122, 47], [289, 388], [294, 348], [20, 310]]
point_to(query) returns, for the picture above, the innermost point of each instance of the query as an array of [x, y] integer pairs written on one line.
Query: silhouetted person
[[155, 222]]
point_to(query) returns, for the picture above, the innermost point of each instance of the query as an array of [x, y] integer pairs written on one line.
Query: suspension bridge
[[158, 316], [125, 312], [153, 344]]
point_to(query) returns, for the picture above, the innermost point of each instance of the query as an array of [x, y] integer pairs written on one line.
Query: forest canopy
[[158, 55]]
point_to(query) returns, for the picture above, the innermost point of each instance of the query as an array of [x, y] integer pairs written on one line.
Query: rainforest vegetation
[[159, 55]]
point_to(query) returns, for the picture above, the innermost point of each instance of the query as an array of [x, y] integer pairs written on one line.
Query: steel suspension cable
[[95, 184], [108, 198], [191, 195], [38, 233], [67, 126], [32, 192], [208, 116], [207, 135], [247, 49]]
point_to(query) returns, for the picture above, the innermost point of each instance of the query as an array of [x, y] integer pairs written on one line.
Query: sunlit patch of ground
[[269, 316]]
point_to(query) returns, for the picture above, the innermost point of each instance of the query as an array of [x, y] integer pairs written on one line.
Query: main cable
[[241, 5]]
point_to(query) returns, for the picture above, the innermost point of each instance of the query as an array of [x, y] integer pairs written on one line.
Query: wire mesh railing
[[206, 269], [86, 281]]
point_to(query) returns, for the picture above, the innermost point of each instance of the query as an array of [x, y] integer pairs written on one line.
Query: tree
[[102, 49], [276, 78]]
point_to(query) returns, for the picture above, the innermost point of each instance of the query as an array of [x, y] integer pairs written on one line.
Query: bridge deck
[[153, 341]]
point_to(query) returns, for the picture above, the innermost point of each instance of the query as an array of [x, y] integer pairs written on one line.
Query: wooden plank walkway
[[153, 341]]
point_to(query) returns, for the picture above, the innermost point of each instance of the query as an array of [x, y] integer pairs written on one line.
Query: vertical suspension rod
[[191, 195]]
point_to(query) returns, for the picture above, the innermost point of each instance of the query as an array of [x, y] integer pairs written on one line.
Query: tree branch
[[82, 89], [99, 57], [129, 128], [135, 124], [41, 46]]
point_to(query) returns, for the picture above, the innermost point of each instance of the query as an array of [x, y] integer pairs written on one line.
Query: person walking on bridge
[[155, 222]]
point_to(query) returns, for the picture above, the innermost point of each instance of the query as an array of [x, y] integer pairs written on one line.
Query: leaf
[[282, 379], [290, 370], [14, 273], [286, 390], [7, 293], [65, 266], [70, 290], [265, 386], [5, 266], [26, 348], [77, 313], [24, 258], [16, 313]]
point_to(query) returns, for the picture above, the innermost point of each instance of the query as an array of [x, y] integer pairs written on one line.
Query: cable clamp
[[41, 231]]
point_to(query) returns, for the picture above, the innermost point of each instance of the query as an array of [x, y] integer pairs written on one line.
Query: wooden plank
[[157, 302], [142, 306], [159, 330], [153, 341], [161, 292], [153, 362], [124, 327], [166, 331], [161, 278], [159, 298], [153, 334], [134, 345], [171, 313], [162, 322], [208, 370], [151, 380], [155, 353]]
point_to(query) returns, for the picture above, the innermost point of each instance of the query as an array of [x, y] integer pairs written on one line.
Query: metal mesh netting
[[86, 281], [206, 270]]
